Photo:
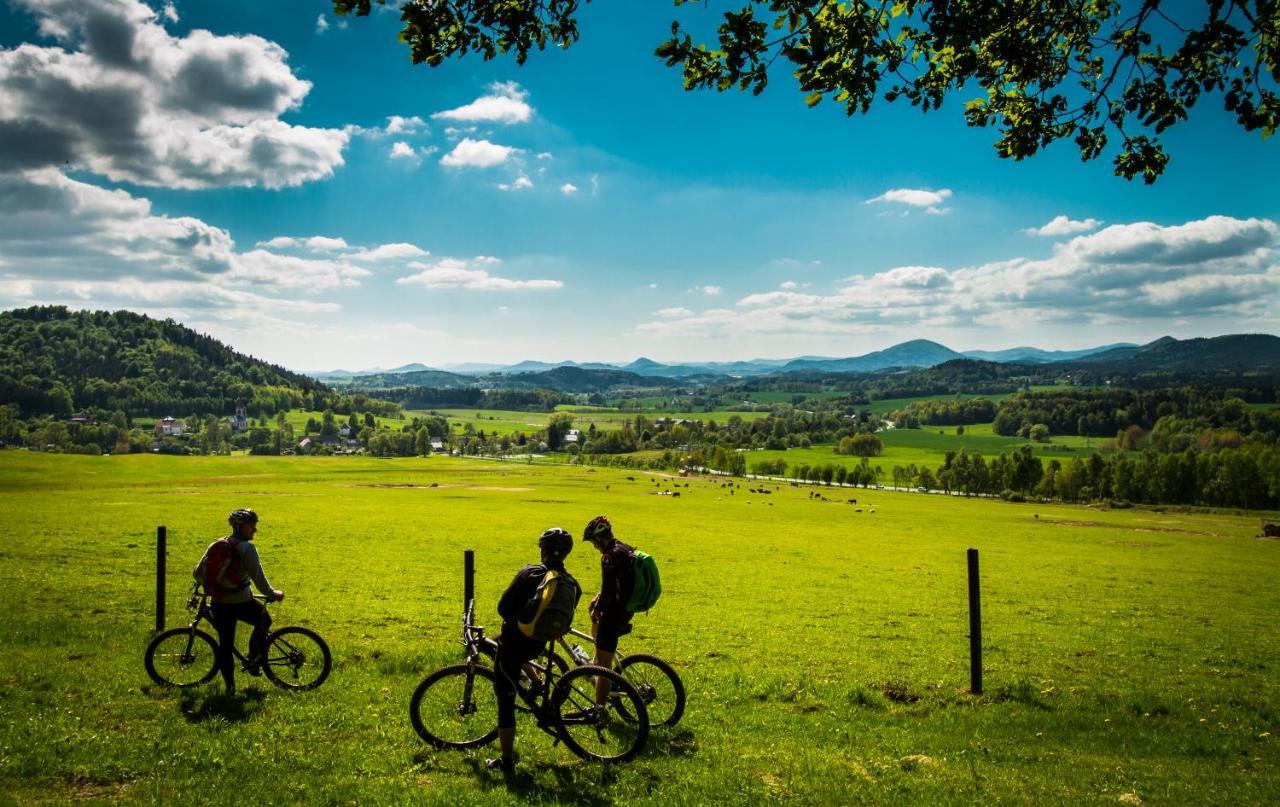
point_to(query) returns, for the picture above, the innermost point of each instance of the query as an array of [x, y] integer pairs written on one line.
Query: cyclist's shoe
[[504, 764], [253, 666]]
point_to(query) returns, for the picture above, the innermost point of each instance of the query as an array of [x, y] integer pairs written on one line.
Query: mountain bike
[[296, 658], [657, 682], [456, 706]]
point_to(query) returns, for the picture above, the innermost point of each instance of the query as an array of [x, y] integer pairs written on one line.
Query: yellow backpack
[[552, 605]]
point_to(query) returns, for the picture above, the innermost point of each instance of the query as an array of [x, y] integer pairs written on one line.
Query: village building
[[239, 422], [168, 427]]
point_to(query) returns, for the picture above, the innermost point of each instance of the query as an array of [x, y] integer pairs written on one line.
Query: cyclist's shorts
[[610, 629]]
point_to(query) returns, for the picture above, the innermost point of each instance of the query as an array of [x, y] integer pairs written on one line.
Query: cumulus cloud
[[322, 24], [124, 99], [504, 103], [476, 154], [931, 201], [455, 273], [712, 291], [389, 252], [568, 189], [1061, 225], [668, 313], [403, 151], [522, 182], [1217, 266], [787, 284], [66, 241]]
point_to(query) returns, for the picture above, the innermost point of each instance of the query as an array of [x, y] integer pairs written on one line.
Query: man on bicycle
[[515, 649], [610, 618], [232, 599]]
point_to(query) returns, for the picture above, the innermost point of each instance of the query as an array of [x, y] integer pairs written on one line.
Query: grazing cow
[[1271, 530]]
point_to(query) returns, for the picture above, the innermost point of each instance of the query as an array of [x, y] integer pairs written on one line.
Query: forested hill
[[56, 361]]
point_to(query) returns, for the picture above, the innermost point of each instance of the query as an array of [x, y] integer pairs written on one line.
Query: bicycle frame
[[199, 602]]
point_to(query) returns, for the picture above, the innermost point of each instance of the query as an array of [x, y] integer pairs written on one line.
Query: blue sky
[[291, 184]]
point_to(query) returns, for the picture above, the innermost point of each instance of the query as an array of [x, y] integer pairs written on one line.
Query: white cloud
[[544, 155], [712, 291], [505, 103], [669, 313], [389, 252], [568, 189], [403, 151], [787, 284], [1061, 225], [522, 183], [931, 201], [401, 125], [454, 273], [476, 154], [170, 13], [1214, 267], [126, 100], [653, 285], [322, 24]]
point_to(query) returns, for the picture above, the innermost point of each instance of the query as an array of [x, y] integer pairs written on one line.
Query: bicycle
[[456, 706], [656, 681], [295, 658]]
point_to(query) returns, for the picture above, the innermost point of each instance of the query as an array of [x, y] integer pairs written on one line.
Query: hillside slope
[[57, 361]]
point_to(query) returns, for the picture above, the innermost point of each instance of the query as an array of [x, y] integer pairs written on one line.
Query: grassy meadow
[[928, 446], [1131, 655]]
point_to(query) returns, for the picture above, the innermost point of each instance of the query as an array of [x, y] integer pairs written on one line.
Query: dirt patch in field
[[1137, 544], [90, 790], [1062, 522]]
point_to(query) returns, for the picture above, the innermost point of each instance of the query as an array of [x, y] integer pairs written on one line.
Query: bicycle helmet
[[556, 541], [598, 527], [242, 517]]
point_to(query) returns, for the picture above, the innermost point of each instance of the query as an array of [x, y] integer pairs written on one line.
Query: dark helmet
[[598, 527], [242, 517], [557, 542]]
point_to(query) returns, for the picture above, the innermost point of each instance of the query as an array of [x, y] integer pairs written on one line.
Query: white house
[[168, 427], [571, 436]]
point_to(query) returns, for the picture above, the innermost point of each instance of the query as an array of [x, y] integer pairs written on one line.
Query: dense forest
[[55, 361]]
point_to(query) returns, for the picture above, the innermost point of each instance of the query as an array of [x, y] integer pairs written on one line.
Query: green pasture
[[928, 446], [510, 421], [1130, 655]]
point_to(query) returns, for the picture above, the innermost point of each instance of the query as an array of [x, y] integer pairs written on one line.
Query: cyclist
[[610, 618], [514, 648], [233, 599]]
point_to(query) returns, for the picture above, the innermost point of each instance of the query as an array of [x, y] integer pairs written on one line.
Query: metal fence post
[[975, 627]]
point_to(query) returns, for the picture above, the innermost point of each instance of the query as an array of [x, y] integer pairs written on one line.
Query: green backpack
[[648, 585]]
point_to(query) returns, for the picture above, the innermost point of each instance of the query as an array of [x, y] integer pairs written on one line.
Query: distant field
[[925, 447], [1127, 653]]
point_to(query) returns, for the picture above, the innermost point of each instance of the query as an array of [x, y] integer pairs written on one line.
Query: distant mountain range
[[915, 353]]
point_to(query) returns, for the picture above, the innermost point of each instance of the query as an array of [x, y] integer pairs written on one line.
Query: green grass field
[[510, 421], [927, 447], [1129, 654]]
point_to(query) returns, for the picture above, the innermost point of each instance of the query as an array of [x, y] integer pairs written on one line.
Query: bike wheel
[[456, 707], [660, 688], [182, 657], [491, 653], [297, 658], [599, 732]]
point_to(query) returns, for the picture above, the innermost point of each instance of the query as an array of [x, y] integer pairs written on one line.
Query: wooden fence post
[[975, 627], [161, 556], [468, 577]]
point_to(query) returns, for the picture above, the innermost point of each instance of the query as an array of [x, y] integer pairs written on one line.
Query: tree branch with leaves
[[1110, 76]]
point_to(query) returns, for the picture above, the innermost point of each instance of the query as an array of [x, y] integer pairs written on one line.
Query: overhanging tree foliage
[[1038, 71]]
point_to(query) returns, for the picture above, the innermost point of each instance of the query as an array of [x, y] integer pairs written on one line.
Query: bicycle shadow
[[671, 743], [574, 783], [198, 707]]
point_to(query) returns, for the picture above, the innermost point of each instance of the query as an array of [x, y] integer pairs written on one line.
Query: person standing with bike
[[521, 607], [226, 570], [610, 618]]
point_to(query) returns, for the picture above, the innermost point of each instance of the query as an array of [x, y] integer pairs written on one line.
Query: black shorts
[[610, 628]]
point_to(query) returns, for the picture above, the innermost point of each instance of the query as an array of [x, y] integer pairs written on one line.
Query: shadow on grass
[[197, 707], [581, 783]]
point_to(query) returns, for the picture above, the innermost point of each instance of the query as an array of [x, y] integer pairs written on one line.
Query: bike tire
[[461, 694], [188, 648], [599, 736], [297, 659], [659, 686], [491, 653]]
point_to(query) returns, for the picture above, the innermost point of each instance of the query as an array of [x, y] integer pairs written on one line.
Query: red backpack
[[220, 569]]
